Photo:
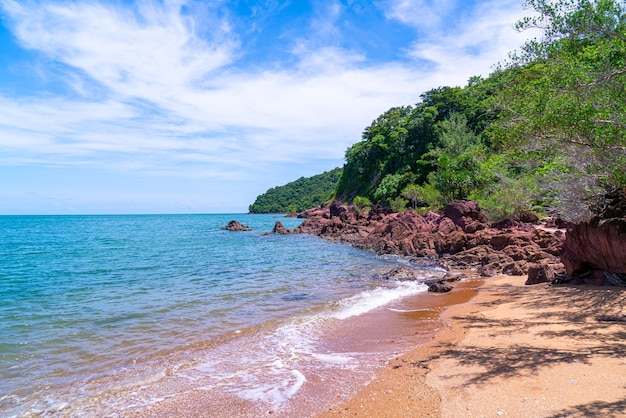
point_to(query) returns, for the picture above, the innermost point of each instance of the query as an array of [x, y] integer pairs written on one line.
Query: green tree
[[566, 96], [414, 194], [457, 159]]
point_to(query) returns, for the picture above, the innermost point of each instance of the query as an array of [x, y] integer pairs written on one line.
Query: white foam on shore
[[272, 368], [372, 299], [407, 310]]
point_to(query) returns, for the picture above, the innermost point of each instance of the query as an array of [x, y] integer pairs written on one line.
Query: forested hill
[[544, 133], [298, 195]]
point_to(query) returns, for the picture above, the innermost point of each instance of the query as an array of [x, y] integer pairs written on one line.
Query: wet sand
[[513, 350]]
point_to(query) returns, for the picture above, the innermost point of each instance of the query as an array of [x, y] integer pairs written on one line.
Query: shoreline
[[513, 350], [416, 321]]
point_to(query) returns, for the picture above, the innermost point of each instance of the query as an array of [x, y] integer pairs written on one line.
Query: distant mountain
[[299, 195]]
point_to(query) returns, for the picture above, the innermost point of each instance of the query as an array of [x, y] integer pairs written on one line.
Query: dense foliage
[[566, 101], [545, 132], [298, 195]]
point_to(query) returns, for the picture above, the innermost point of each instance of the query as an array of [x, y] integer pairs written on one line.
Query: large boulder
[[596, 245], [539, 273]]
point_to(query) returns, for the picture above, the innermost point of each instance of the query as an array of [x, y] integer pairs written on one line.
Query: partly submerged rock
[[280, 229], [439, 287], [236, 226]]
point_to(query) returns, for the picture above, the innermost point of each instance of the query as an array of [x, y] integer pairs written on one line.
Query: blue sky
[[174, 106]]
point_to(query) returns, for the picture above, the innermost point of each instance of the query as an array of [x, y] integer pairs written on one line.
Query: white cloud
[[173, 96], [422, 14], [480, 40]]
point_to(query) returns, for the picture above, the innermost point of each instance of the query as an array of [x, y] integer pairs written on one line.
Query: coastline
[[513, 350]]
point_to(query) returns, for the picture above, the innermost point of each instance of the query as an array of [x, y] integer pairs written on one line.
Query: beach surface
[[512, 351]]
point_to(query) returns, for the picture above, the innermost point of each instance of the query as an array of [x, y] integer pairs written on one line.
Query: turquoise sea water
[[93, 308]]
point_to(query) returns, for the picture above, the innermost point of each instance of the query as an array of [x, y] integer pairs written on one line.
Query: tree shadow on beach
[[594, 409], [511, 361], [582, 302], [574, 329]]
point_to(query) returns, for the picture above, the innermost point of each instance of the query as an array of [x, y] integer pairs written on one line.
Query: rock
[[280, 229], [314, 212], [599, 244], [529, 218], [459, 238], [439, 287], [466, 215], [338, 210], [400, 274], [539, 273], [236, 226], [513, 269], [489, 270]]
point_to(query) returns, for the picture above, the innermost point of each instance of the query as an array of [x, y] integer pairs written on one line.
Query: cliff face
[[596, 250], [460, 237]]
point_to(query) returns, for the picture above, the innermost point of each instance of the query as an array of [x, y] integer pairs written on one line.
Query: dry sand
[[513, 351]]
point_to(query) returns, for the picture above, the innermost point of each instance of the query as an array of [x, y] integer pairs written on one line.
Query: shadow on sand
[[578, 335]]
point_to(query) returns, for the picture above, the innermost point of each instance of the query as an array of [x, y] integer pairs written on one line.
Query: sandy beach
[[513, 350]]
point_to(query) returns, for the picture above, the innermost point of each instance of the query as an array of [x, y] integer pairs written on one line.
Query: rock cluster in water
[[460, 237]]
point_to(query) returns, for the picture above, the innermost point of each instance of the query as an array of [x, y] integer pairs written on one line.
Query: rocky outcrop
[[236, 226], [466, 215], [595, 251], [280, 229], [460, 237]]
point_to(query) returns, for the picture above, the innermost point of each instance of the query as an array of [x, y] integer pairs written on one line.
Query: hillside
[[544, 133], [299, 195]]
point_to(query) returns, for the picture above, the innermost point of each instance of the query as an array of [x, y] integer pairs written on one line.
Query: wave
[[372, 299]]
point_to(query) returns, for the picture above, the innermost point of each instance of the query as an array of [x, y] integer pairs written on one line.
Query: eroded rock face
[[596, 245], [598, 248], [236, 226], [460, 237]]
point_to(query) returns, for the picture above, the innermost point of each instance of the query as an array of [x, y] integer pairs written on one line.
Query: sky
[[185, 106]]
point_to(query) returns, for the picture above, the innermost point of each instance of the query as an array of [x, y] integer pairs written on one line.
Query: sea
[[164, 315]]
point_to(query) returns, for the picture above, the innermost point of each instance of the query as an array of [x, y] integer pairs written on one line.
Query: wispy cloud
[[422, 14], [167, 86], [481, 39]]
